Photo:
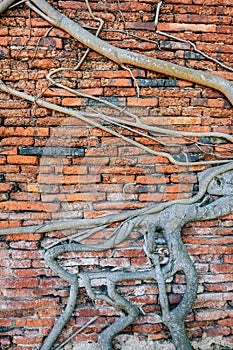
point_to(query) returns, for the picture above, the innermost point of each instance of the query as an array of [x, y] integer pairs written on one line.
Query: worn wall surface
[[97, 174]]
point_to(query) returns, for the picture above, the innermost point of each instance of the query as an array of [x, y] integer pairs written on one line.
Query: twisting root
[[170, 222], [67, 313]]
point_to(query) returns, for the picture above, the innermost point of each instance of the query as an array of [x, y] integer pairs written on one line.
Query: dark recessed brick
[[52, 151]]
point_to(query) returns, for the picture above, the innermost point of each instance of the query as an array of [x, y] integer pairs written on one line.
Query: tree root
[[169, 222]]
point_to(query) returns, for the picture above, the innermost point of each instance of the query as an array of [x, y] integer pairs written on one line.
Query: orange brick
[[2, 160], [68, 179], [23, 132], [4, 41], [228, 259], [75, 197], [30, 340], [180, 27], [116, 82], [17, 141], [8, 224], [228, 322], [72, 101], [4, 187], [3, 31], [22, 159], [165, 102], [148, 179], [150, 102], [5, 323], [33, 188], [28, 206]]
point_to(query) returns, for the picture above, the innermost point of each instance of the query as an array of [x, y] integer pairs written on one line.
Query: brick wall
[[92, 173]]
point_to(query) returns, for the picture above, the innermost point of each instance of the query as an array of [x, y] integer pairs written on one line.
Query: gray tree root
[[121, 56], [179, 337], [132, 312], [5, 4], [168, 223], [67, 313]]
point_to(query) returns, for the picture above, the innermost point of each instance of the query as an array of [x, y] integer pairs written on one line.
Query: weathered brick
[[151, 102], [68, 179], [179, 27], [6, 187], [75, 197], [23, 132], [221, 268], [52, 151], [228, 259], [18, 159], [17, 141], [72, 101], [28, 206]]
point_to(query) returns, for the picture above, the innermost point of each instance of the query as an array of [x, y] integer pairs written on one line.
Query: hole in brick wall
[[2, 177]]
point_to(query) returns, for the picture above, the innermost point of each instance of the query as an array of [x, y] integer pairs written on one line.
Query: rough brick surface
[[107, 175]]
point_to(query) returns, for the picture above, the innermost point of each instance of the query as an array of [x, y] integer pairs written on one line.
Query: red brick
[[228, 322], [228, 259], [25, 196], [218, 278], [75, 197], [118, 179], [30, 340], [28, 206], [213, 332], [22, 283], [2, 159], [116, 82], [117, 206], [179, 27], [211, 315], [4, 41], [22, 159], [118, 91], [5, 323], [17, 141], [68, 179], [35, 323], [3, 31], [155, 328], [72, 101], [4, 187], [221, 268], [71, 170], [23, 132], [151, 102]]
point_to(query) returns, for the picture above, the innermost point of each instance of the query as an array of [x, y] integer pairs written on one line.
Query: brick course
[[111, 175]]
